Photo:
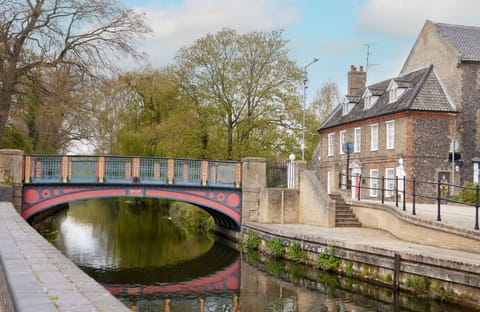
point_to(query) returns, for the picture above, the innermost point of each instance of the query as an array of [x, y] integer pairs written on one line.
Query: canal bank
[[379, 257], [39, 277]]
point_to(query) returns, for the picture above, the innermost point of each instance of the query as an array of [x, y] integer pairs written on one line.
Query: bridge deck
[[135, 170]]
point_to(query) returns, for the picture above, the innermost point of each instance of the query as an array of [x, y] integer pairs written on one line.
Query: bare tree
[[90, 37], [326, 99]]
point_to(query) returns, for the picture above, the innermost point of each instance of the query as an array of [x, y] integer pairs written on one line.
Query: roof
[[425, 92], [465, 39]]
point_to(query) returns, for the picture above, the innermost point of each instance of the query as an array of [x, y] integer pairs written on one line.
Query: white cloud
[[341, 46], [180, 25], [405, 18]]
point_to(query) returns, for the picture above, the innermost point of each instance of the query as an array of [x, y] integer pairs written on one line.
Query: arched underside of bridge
[[224, 205]]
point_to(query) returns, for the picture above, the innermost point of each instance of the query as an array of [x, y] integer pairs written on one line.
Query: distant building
[[409, 117], [455, 53]]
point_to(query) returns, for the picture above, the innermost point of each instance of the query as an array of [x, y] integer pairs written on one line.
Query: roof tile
[[425, 93]]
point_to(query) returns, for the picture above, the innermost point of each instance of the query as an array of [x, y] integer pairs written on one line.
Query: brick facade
[[416, 141]]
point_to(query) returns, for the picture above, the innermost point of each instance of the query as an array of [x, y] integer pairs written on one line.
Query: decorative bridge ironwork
[[215, 186]]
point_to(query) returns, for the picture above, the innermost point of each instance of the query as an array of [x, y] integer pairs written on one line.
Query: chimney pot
[[356, 79]]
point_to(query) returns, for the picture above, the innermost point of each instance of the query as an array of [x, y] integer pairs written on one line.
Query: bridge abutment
[[11, 175], [254, 180]]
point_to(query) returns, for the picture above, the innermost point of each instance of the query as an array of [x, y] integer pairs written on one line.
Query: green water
[[151, 263]]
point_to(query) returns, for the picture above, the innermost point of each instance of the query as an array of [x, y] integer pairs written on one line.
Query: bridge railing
[[126, 169]]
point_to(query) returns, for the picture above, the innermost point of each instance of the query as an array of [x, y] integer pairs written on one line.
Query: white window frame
[[331, 144], [374, 137], [373, 182], [342, 141], [389, 181], [392, 92], [345, 108], [390, 134], [367, 102], [392, 95], [357, 140]]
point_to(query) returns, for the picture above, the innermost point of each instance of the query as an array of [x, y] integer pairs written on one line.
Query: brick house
[[410, 117], [455, 53]]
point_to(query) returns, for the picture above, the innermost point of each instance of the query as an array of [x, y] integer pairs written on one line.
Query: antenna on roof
[[368, 65]]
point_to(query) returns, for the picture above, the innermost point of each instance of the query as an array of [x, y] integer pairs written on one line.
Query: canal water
[[150, 262]]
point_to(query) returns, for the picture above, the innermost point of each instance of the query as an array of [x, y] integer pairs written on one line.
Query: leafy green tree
[[142, 113], [244, 89]]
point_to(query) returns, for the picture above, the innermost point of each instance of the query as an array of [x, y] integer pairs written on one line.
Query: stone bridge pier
[[11, 175], [307, 203]]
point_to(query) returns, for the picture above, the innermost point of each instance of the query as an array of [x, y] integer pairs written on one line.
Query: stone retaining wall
[[438, 278]]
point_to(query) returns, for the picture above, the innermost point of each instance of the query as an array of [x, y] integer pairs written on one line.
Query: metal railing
[[412, 190], [125, 169], [277, 173]]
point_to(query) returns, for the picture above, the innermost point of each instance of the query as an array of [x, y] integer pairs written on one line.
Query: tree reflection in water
[[151, 264]]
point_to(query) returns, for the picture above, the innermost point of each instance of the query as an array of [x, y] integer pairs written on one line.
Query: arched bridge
[[215, 186]]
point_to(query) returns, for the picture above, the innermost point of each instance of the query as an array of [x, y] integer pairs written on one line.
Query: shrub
[[296, 253], [275, 248], [349, 270], [251, 241], [328, 262], [468, 194], [418, 282]]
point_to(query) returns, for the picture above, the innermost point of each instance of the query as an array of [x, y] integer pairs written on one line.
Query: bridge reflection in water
[[154, 288]]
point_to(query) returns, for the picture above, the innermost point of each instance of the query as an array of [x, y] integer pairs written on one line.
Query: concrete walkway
[[375, 241], [458, 216], [369, 240], [39, 278]]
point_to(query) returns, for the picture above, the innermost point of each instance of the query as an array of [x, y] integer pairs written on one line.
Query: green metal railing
[[126, 169]]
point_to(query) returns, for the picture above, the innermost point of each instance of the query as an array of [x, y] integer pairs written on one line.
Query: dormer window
[[347, 104], [369, 98], [345, 107], [394, 91]]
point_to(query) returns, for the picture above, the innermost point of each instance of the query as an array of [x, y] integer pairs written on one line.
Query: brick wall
[[421, 139]]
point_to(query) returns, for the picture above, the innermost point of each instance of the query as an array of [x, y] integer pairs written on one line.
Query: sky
[[339, 33]]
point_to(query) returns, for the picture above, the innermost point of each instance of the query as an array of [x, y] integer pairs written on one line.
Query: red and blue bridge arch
[[52, 180]]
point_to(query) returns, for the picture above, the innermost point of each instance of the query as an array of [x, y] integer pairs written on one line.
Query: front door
[[356, 173]]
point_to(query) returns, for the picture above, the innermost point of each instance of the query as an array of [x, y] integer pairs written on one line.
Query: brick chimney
[[356, 79]]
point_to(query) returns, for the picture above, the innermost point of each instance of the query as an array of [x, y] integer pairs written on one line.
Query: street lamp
[[305, 86]]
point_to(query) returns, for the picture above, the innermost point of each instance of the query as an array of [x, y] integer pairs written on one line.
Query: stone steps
[[344, 216]]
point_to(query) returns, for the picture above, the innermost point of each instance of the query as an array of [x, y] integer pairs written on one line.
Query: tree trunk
[[5, 99], [229, 142]]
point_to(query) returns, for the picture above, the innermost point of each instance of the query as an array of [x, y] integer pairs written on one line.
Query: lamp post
[[305, 86]]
